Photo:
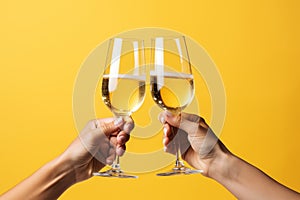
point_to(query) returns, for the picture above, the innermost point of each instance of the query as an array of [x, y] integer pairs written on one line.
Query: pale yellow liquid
[[125, 94], [172, 91]]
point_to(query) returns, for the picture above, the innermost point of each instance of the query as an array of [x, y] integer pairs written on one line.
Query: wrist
[[78, 162], [219, 166]]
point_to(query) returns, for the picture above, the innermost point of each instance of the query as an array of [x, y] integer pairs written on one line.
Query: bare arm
[[96, 146], [245, 181], [205, 151], [49, 182]]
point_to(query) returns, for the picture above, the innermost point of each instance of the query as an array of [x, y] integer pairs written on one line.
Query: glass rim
[[127, 39], [168, 37]]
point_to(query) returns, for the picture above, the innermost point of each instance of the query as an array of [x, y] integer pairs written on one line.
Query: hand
[[97, 145], [199, 146]]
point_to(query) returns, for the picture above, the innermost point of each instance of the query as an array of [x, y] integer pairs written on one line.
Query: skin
[[96, 146], [100, 139], [242, 179]]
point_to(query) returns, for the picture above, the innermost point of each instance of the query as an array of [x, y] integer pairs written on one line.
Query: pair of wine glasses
[[124, 84]]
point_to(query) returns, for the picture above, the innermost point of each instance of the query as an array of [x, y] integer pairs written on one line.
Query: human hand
[[97, 145], [199, 146]]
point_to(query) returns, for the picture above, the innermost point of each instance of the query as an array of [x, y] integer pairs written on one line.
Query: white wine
[[123, 93], [172, 91]]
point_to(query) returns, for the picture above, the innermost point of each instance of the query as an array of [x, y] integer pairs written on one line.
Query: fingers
[[121, 140], [129, 125], [111, 156], [167, 134], [174, 138], [167, 139], [118, 133], [123, 136], [109, 125], [108, 150], [119, 128], [190, 123], [117, 146], [106, 138]]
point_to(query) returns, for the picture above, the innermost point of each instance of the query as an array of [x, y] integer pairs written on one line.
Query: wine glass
[[123, 85], [172, 86]]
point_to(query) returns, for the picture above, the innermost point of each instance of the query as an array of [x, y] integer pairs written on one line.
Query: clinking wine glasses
[[171, 80]]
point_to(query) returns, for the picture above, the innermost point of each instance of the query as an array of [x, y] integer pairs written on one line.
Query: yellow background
[[255, 45]]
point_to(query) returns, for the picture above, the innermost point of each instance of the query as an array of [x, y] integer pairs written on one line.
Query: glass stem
[[116, 165], [178, 163]]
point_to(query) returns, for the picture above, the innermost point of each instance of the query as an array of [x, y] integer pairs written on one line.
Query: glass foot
[[114, 173], [180, 169]]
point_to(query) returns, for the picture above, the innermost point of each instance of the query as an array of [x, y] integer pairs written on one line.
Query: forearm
[[247, 182], [49, 182]]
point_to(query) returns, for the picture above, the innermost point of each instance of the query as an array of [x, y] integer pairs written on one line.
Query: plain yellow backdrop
[[255, 45]]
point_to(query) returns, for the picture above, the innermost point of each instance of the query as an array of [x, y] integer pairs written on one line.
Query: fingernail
[[122, 138], [127, 127], [165, 131], [118, 121], [161, 119], [165, 148], [120, 151]]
